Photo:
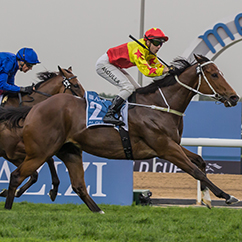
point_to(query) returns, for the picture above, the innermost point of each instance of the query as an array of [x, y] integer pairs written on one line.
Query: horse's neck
[[175, 97], [51, 86]]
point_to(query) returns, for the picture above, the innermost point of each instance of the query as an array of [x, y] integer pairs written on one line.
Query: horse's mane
[[44, 76], [180, 63]]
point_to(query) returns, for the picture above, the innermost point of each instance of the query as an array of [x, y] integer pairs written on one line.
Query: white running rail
[[210, 142]]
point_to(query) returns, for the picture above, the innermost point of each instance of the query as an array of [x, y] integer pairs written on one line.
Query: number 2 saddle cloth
[[97, 107]]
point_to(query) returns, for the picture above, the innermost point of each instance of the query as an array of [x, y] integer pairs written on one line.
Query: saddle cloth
[[97, 107]]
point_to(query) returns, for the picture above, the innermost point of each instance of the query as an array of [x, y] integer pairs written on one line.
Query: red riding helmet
[[155, 33]]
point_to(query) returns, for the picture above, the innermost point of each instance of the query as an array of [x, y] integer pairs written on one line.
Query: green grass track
[[69, 222]]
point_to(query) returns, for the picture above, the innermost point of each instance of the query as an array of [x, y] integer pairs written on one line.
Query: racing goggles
[[157, 42], [29, 65]]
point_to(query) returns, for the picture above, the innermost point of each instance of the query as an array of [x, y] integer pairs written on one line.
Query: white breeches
[[117, 76]]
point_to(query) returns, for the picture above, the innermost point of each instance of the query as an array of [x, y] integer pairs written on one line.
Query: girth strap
[[126, 143]]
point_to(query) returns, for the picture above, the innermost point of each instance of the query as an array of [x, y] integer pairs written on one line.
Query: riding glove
[[28, 89]]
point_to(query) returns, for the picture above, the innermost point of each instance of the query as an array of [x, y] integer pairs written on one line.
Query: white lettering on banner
[[144, 166], [99, 173], [171, 166], [42, 189], [176, 169], [5, 168], [144, 163], [158, 164], [164, 167], [99, 180], [69, 192], [40, 192]]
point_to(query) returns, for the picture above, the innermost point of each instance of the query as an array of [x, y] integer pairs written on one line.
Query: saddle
[[95, 111]]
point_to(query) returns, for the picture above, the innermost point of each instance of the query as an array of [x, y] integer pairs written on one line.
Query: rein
[[66, 82], [168, 109]]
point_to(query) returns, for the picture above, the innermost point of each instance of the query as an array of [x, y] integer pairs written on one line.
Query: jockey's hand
[[173, 70], [28, 89]]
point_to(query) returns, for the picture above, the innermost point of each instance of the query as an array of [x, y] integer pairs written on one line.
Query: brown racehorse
[[57, 126], [11, 145]]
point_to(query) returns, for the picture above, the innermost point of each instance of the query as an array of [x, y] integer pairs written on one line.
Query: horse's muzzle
[[232, 101]]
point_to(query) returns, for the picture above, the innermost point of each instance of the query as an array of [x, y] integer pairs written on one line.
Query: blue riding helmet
[[27, 55]]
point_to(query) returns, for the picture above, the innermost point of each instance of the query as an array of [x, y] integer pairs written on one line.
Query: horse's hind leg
[[33, 179], [201, 164], [73, 162], [26, 169], [55, 180]]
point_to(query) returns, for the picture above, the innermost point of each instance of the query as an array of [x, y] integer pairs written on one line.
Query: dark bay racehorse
[[11, 145], [57, 126]]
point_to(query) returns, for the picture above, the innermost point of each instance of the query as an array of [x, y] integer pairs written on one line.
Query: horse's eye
[[76, 85], [214, 75]]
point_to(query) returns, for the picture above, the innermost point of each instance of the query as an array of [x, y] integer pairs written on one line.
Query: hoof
[[17, 194], [207, 203], [101, 212], [232, 200], [206, 200], [4, 193], [52, 195]]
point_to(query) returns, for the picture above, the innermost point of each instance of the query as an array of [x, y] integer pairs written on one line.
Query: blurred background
[[77, 32]]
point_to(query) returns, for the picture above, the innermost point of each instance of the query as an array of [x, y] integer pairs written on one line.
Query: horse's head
[[213, 82], [70, 83]]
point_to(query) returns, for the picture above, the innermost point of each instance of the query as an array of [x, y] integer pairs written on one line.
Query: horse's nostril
[[233, 100]]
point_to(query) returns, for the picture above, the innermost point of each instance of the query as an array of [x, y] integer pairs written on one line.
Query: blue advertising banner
[[107, 181]]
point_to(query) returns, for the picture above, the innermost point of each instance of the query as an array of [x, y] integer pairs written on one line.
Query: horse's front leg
[[201, 164], [55, 180], [175, 154]]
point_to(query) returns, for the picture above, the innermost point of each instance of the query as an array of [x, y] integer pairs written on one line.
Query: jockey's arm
[[5, 86]]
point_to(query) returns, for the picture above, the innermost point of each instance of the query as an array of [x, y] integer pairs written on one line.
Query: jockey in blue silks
[[10, 63]]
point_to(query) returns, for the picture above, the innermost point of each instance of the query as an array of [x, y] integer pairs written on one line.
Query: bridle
[[66, 82], [201, 74]]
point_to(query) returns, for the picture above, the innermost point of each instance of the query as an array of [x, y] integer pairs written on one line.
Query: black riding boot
[[114, 108]]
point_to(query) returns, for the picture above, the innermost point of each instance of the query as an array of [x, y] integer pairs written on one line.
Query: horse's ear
[[196, 57], [60, 70], [70, 69]]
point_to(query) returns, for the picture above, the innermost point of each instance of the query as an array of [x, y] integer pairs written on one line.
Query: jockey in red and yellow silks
[[111, 67], [132, 54]]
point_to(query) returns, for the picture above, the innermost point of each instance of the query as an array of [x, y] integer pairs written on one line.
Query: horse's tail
[[11, 116]]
